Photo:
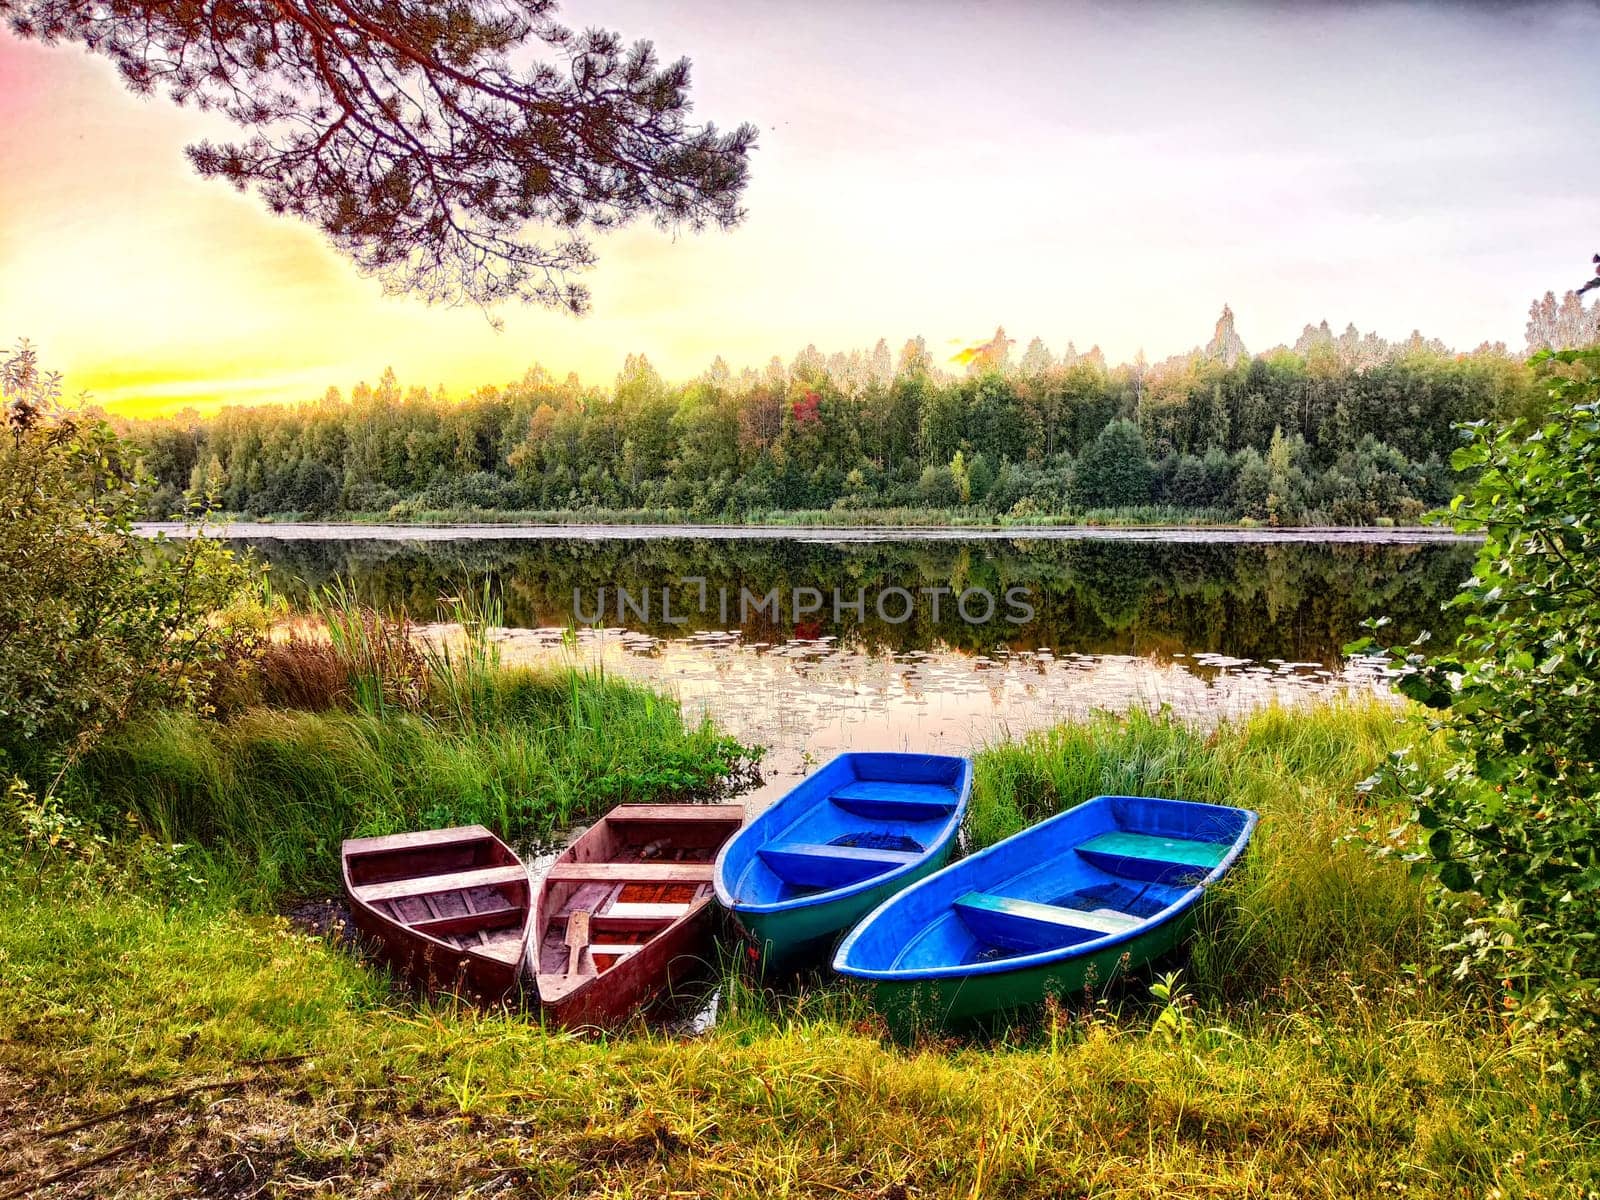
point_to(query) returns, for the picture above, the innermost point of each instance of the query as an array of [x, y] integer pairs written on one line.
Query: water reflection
[[806, 700], [1211, 629], [1292, 601]]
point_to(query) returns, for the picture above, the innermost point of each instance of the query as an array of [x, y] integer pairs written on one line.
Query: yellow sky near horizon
[[1074, 171], [213, 299]]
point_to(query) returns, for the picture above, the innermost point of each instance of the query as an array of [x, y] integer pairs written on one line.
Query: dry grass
[[303, 672]]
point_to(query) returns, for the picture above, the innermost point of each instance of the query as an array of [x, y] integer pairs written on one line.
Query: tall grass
[[464, 672], [1311, 899], [385, 667], [274, 792]]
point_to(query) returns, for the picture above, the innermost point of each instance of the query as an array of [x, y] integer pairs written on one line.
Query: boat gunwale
[[544, 983], [490, 961], [948, 833], [1057, 954]]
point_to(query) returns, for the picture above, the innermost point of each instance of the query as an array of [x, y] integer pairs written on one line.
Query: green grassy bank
[[1313, 1050], [1140, 516], [271, 791]]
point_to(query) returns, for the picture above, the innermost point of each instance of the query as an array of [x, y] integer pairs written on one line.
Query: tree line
[[1342, 429]]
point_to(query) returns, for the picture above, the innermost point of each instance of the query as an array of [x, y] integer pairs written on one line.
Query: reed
[[274, 792], [463, 671], [385, 668]]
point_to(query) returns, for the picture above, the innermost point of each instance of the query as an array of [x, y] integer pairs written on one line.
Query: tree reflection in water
[[1207, 628]]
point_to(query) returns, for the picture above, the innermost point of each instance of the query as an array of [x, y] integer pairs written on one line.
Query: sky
[[1106, 174]]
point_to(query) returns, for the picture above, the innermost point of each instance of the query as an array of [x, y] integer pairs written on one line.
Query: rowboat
[[624, 913], [446, 908], [1070, 903], [837, 845]]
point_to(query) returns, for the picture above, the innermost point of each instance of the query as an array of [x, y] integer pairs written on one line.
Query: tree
[[1115, 471], [1513, 820], [1225, 345], [405, 132], [980, 478], [1565, 324], [93, 627], [993, 355], [1285, 483], [938, 487], [1252, 484]]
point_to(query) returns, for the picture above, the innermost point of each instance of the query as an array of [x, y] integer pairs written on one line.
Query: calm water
[[815, 642]]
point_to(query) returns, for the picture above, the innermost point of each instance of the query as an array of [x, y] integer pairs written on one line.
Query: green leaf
[[1491, 769], [1455, 876], [1439, 844]]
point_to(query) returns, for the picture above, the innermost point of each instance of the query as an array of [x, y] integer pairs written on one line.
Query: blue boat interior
[[860, 817], [1103, 869]]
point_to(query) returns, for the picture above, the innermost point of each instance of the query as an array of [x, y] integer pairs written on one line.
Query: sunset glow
[[1115, 182]]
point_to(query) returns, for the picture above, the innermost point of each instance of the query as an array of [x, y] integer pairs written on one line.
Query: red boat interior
[[462, 887], [634, 874]]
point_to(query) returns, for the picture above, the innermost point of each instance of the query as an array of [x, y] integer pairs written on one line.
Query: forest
[[1337, 429]]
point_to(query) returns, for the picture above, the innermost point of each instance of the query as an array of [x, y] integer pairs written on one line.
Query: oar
[[577, 939]]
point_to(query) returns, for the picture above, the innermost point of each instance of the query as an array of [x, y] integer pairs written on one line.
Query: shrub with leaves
[[96, 623], [1512, 829]]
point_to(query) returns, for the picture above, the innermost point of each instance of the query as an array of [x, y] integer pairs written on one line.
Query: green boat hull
[[793, 936], [967, 999]]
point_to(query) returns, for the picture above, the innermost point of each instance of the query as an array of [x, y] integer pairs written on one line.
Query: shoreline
[[605, 531]]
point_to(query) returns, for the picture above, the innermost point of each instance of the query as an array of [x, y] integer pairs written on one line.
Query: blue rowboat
[[1071, 903], [844, 840]]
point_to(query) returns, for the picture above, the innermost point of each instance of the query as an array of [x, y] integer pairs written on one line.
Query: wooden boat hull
[[448, 910], [643, 873], [1064, 906], [845, 839]]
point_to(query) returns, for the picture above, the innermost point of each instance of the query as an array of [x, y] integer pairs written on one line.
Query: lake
[[814, 641]]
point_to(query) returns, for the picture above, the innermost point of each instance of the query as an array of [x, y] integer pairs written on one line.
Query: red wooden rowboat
[[625, 911], [447, 908]]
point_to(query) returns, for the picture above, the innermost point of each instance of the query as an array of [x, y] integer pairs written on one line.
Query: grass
[[275, 791], [1318, 1056], [396, 734]]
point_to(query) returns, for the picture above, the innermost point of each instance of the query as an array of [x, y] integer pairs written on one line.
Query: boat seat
[[493, 918], [1027, 926], [1153, 859], [808, 864], [658, 914], [630, 872], [880, 800], [433, 885], [422, 839]]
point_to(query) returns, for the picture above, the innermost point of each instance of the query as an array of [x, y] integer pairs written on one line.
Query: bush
[[303, 673], [1513, 829], [96, 624], [938, 488], [368, 498]]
